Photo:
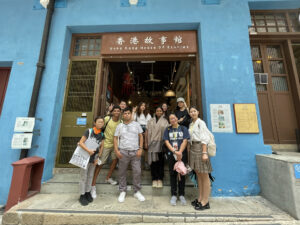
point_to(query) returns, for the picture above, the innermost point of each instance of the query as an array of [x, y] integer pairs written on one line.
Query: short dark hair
[[98, 118], [123, 101], [127, 109], [172, 114], [116, 107], [193, 107]]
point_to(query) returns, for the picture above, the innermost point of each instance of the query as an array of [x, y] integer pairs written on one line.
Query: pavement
[[64, 208]]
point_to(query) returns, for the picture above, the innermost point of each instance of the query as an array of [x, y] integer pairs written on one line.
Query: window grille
[[274, 22], [80, 94], [87, 46]]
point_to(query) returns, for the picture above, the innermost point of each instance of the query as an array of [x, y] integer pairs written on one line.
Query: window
[[4, 75], [274, 22], [87, 46]]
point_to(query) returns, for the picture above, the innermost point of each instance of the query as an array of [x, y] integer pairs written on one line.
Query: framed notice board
[[245, 118]]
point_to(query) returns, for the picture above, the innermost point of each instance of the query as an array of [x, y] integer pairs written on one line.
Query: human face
[[127, 116], [164, 107], [116, 112], [123, 105], [143, 107], [173, 120], [180, 104], [158, 112], [99, 123], [194, 113]]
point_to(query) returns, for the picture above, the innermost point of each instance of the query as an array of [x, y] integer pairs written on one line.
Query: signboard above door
[[149, 42]]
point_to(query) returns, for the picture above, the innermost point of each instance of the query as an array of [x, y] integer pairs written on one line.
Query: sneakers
[[139, 196], [173, 200], [111, 181], [154, 183], [93, 192], [182, 200], [88, 197], [122, 196], [159, 184], [83, 201]]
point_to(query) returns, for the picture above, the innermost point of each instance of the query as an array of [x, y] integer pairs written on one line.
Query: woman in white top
[[142, 115], [198, 158]]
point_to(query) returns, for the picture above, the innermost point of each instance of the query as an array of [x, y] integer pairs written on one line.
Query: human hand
[[118, 154], [95, 162], [204, 157], [110, 106], [139, 153], [179, 155], [91, 152]]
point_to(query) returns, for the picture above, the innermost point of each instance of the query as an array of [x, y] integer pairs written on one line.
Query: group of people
[[126, 134]]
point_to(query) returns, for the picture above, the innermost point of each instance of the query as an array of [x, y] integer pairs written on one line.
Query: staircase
[[57, 204], [65, 180]]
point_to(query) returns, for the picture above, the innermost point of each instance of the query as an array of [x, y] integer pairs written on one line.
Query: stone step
[[57, 209], [71, 175], [73, 187]]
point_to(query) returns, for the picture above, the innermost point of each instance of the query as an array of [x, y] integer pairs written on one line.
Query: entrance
[[134, 67], [274, 93], [89, 92], [148, 81]]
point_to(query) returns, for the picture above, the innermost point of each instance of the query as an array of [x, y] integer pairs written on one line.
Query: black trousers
[[157, 168], [174, 175]]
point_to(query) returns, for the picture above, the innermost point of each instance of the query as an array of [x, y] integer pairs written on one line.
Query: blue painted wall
[[226, 71]]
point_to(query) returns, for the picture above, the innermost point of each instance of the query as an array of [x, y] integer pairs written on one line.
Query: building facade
[[233, 39]]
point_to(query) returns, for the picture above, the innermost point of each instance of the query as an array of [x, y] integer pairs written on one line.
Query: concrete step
[[56, 209], [71, 175], [65, 180], [52, 188], [284, 147]]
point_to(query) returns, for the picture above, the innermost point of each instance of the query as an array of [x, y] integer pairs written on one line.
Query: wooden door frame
[[5, 87], [194, 58], [286, 41]]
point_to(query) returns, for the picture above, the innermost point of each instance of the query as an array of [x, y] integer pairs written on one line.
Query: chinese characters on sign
[[149, 42], [221, 118]]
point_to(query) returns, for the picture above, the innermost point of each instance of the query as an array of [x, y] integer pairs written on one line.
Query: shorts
[[105, 154]]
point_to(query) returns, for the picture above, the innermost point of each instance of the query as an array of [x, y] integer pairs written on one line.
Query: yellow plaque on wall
[[245, 118]]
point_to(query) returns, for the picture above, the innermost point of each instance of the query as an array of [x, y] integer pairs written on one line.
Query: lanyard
[[175, 132]]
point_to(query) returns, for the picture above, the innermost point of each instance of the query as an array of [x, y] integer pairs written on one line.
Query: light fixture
[[170, 93], [129, 102], [44, 3], [133, 2]]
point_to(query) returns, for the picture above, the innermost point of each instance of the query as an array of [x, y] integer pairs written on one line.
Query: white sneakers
[[139, 196], [122, 196], [111, 181], [93, 192], [173, 200]]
